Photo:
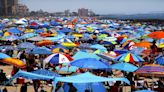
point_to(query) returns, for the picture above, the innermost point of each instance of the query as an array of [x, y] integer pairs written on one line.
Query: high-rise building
[[22, 10], [67, 13], [8, 7], [82, 12]]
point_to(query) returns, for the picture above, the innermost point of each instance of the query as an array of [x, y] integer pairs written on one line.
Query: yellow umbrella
[[77, 35], [29, 30], [7, 34], [69, 44], [13, 61]]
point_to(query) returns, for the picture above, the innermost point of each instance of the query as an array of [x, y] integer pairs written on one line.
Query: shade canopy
[[33, 76], [88, 78]]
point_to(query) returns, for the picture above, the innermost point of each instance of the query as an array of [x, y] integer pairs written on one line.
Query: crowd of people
[[82, 33]]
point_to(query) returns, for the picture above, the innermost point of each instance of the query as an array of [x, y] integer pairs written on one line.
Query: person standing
[[23, 87]]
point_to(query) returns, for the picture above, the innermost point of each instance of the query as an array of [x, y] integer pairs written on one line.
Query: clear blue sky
[[98, 6]]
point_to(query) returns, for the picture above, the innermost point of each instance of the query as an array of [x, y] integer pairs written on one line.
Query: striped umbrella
[[150, 68], [129, 57], [154, 70], [57, 59]]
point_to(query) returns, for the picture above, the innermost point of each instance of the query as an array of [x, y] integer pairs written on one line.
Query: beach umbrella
[[37, 38], [90, 63], [66, 68], [26, 45], [157, 34], [57, 58], [39, 31], [80, 55], [143, 44], [57, 50], [144, 91], [65, 40], [129, 57], [34, 25], [124, 66], [10, 38], [40, 50], [160, 43], [128, 44], [45, 34], [13, 61], [45, 72], [121, 51], [14, 31], [159, 60], [66, 30], [3, 55], [58, 46], [69, 44], [6, 34], [7, 47], [1, 26], [28, 35], [97, 46], [150, 68], [69, 37], [44, 43]]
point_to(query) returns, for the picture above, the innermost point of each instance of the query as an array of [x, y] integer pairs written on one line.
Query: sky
[[98, 6]]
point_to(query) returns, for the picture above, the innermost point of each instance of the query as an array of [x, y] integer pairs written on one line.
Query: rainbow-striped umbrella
[[129, 57], [154, 70]]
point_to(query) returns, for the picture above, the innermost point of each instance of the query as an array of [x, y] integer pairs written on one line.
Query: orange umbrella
[[13, 61], [157, 34], [44, 43], [143, 44], [45, 34]]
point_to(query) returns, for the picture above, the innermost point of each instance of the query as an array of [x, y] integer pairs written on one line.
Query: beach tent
[[81, 87], [33, 76], [87, 78]]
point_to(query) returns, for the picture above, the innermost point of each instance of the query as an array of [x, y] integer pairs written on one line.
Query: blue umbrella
[[66, 30], [124, 66], [28, 35], [1, 26], [97, 46], [58, 46], [15, 31], [45, 72], [10, 38], [89, 63], [120, 51], [40, 50], [144, 91], [81, 55], [7, 47], [2, 56], [159, 60], [26, 45], [39, 31]]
